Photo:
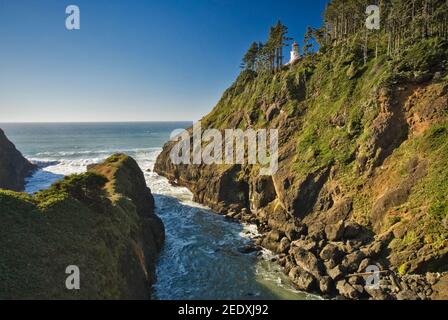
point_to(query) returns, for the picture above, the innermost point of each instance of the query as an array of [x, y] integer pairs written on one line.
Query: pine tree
[[250, 58]]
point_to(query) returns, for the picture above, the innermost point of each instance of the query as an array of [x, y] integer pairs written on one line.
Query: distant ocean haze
[[67, 148]]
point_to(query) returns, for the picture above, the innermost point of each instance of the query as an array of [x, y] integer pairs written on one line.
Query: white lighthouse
[[295, 54]]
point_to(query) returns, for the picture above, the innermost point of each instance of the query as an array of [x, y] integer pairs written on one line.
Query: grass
[[330, 103], [74, 222]]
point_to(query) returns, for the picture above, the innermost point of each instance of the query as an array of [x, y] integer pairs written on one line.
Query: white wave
[[93, 152]]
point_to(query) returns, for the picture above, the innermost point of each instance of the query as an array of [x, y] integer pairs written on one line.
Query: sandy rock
[[302, 279], [335, 232]]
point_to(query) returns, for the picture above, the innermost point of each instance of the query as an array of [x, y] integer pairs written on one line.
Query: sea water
[[200, 258]]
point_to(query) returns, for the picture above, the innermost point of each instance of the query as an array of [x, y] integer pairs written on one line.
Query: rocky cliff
[[102, 221], [14, 168], [362, 176]]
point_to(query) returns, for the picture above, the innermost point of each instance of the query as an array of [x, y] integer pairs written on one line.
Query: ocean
[[200, 259]]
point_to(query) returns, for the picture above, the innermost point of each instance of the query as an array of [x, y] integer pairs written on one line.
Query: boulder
[[294, 231], [284, 246], [330, 264], [407, 295], [326, 285], [377, 294], [302, 279], [307, 261], [249, 248], [336, 273], [351, 262], [347, 290], [364, 264], [335, 232], [306, 244], [331, 252], [352, 230]]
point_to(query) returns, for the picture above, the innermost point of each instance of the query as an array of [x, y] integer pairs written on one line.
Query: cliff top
[[78, 222]]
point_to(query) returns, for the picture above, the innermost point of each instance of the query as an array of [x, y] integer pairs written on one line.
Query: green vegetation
[[365, 105], [74, 222]]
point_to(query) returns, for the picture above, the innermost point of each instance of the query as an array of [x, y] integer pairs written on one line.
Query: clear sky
[[133, 60]]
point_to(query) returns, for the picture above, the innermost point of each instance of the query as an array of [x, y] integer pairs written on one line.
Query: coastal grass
[[74, 222]]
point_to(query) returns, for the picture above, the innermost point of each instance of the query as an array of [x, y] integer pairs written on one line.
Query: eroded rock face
[[128, 180], [14, 168], [348, 213]]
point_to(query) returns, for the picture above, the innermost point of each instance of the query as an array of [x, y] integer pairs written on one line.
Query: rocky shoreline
[[333, 263], [350, 191], [328, 257]]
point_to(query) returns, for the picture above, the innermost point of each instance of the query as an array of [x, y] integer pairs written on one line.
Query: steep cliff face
[[102, 222], [14, 168], [362, 173]]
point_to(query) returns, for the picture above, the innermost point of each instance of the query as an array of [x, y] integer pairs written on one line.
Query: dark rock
[[294, 231], [14, 168], [249, 248], [289, 264], [316, 234], [331, 251], [284, 246], [262, 192], [359, 288], [321, 244], [351, 262], [352, 230]]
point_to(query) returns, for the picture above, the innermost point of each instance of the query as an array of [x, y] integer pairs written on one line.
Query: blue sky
[[134, 60]]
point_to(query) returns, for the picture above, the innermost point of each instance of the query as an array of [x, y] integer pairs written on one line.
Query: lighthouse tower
[[295, 55]]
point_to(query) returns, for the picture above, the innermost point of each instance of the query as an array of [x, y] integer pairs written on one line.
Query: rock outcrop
[[102, 221], [362, 170], [14, 168]]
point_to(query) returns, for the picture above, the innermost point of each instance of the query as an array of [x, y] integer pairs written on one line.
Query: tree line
[[402, 22], [267, 56]]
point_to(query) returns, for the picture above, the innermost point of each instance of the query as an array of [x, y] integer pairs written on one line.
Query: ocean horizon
[[198, 241]]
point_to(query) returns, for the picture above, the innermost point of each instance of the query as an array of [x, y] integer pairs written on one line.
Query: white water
[[200, 259]]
